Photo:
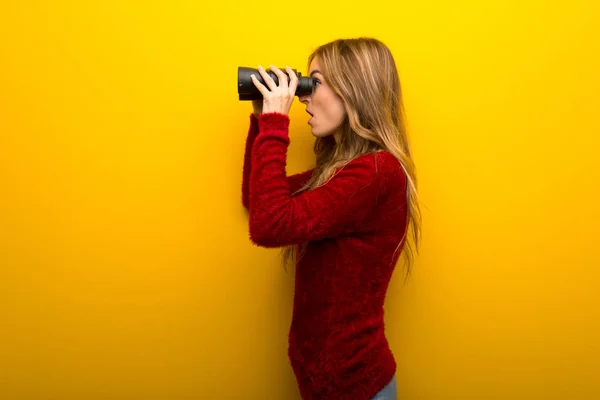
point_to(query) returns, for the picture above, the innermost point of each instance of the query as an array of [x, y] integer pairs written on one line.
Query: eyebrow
[[316, 71]]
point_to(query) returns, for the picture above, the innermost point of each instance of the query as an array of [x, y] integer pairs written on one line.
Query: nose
[[304, 98]]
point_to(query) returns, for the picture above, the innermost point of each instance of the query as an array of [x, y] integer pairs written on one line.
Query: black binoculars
[[247, 90]]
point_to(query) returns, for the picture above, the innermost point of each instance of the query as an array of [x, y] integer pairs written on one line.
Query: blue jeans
[[388, 392]]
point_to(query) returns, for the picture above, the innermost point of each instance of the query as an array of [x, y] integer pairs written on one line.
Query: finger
[[293, 80], [267, 78], [261, 88], [283, 81]]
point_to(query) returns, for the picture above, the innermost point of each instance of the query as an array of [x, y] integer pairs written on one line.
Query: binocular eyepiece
[[247, 90]]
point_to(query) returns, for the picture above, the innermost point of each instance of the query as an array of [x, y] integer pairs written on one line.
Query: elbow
[[265, 233], [268, 228], [263, 237]]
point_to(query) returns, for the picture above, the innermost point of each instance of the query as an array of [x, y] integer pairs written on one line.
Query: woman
[[345, 221]]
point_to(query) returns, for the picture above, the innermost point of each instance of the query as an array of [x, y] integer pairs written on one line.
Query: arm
[[295, 181], [278, 219]]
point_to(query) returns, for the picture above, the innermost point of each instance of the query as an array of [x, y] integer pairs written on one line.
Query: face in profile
[[324, 105]]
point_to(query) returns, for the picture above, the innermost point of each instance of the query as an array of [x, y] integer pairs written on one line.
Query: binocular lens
[[247, 90]]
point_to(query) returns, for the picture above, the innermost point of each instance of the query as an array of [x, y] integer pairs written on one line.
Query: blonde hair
[[363, 73]]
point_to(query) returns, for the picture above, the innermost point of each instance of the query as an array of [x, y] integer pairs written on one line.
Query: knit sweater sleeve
[[295, 181], [277, 218]]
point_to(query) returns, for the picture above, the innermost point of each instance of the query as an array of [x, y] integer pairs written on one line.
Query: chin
[[319, 134]]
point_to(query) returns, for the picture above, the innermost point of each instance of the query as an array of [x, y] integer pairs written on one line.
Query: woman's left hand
[[280, 98]]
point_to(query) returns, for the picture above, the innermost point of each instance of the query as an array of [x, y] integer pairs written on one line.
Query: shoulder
[[384, 172], [380, 165]]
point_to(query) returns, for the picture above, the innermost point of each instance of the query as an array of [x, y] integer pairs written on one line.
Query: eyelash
[[317, 82]]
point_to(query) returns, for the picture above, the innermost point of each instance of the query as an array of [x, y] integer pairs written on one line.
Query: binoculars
[[247, 90]]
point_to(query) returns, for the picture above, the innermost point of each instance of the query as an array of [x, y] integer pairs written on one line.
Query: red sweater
[[353, 224]]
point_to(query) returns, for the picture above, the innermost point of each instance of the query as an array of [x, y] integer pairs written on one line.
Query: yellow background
[[125, 266]]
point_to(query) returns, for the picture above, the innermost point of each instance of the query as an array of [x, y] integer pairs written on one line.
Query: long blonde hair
[[363, 73]]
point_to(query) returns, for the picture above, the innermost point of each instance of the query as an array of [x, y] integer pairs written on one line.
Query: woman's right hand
[[257, 106]]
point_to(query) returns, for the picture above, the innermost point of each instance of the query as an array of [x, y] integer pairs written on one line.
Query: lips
[[311, 114]]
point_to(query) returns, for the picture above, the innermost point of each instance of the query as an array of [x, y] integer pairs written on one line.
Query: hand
[[280, 98]]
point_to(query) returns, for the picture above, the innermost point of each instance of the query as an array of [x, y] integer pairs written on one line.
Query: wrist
[[273, 120]]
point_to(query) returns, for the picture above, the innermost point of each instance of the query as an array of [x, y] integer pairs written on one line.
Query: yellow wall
[[126, 270]]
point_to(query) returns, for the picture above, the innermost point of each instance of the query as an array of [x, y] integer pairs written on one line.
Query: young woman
[[344, 222]]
